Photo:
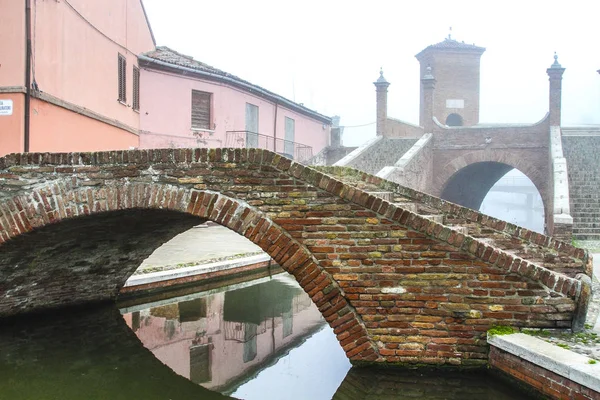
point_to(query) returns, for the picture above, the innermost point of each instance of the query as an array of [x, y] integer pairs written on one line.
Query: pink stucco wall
[[12, 43], [11, 126], [166, 114], [78, 63], [56, 129], [75, 52]]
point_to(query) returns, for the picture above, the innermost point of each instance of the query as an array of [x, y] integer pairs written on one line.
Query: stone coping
[[563, 362], [143, 279], [354, 154]]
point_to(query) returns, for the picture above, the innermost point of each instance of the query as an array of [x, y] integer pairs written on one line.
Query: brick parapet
[[581, 256], [394, 285]]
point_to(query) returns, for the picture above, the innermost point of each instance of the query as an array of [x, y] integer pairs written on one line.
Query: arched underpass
[[469, 186], [395, 286]]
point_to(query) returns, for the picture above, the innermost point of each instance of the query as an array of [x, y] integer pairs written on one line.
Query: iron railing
[[246, 139]]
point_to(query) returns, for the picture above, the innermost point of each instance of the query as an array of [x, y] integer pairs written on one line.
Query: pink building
[[196, 339], [83, 80], [94, 80], [186, 103]]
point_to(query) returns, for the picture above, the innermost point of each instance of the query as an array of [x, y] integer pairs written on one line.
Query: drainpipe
[[27, 74], [275, 130]]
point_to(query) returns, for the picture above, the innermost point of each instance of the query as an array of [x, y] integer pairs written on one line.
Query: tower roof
[[452, 45]]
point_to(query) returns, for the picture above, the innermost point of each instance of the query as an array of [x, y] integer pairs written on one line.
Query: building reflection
[[221, 340]]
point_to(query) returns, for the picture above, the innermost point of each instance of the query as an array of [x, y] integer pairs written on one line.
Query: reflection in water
[[84, 354], [266, 340], [282, 351], [362, 384], [222, 340]]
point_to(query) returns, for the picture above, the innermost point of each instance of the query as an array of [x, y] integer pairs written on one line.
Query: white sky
[[327, 53]]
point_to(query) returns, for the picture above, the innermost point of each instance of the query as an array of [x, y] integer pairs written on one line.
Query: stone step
[[412, 207], [585, 209], [460, 229], [594, 215], [437, 218], [586, 195], [584, 220], [586, 237], [387, 196], [583, 231]]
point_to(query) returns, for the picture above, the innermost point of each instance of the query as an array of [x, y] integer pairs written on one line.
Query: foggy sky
[[327, 54]]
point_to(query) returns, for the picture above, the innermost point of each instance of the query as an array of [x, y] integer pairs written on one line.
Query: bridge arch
[[467, 179], [387, 279], [153, 213]]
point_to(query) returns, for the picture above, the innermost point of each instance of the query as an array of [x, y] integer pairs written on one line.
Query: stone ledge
[[152, 277], [563, 362]]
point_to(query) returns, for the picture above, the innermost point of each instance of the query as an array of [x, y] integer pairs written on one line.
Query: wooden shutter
[[200, 110], [122, 71], [136, 88]]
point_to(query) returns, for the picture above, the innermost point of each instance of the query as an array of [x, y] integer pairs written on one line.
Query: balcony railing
[[246, 139]]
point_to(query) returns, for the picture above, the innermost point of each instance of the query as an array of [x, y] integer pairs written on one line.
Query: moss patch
[[500, 330]]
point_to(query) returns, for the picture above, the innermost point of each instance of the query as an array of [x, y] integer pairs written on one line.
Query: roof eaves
[[226, 77]]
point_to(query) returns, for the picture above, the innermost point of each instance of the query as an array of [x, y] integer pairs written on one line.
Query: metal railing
[[246, 139]]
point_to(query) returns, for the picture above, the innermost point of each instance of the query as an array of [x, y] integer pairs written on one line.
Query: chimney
[[555, 73], [381, 86], [426, 117]]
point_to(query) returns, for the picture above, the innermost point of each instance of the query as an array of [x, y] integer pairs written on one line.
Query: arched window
[[454, 120]]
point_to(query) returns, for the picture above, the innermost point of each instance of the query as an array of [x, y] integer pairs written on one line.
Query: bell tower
[[456, 67]]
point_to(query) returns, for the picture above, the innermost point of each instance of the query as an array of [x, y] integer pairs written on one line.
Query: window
[[136, 88], [122, 71], [290, 137], [200, 110]]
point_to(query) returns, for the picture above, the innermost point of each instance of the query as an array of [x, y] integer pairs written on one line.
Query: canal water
[[262, 339]]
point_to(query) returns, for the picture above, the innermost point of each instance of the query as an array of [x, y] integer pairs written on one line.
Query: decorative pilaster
[[555, 73], [428, 85], [381, 86]]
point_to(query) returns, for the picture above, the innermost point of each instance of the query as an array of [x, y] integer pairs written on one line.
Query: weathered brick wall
[[396, 287], [536, 247], [542, 380]]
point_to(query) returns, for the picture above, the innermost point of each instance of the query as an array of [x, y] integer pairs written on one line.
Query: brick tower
[[455, 66]]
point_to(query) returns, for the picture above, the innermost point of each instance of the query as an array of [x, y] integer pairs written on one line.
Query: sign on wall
[[6, 107], [455, 103]]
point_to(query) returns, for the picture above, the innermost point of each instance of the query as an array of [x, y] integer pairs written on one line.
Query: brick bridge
[[451, 155], [401, 276]]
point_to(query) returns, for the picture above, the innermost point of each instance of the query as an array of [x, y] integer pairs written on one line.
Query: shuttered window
[[122, 71], [136, 89], [200, 109]]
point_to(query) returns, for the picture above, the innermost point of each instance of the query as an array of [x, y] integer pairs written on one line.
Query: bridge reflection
[[223, 338]]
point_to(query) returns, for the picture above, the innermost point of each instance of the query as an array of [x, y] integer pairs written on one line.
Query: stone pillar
[[555, 73], [381, 86], [428, 85]]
